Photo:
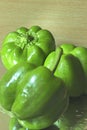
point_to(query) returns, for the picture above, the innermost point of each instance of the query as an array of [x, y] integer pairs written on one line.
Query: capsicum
[[31, 45], [15, 125], [33, 95], [69, 62], [8, 84]]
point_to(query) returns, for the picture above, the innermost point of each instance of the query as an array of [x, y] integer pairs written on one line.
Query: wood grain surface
[[67, 20]]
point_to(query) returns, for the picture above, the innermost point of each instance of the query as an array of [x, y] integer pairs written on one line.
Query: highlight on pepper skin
[[36, 89], [31, 45], [69, 62], [40, 78]]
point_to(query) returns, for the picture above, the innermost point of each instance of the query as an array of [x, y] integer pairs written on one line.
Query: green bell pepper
[[35, 97], [8, 84], [69, 62], [31, 45], [15, 125]]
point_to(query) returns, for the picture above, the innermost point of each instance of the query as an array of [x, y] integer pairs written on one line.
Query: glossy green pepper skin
[[39, 98], [14, 125], [69, 62], [8, 84], [31, 45]]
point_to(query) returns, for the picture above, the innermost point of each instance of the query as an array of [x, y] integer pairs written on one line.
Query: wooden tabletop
[[67, 20]]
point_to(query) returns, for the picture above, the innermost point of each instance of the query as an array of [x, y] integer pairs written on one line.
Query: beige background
[[66, 19]]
